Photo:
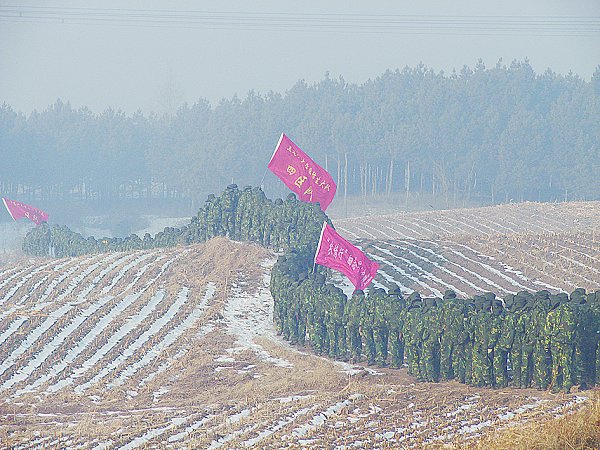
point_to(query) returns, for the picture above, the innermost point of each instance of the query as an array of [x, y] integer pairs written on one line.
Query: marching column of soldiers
[[523, 340], [246, 215]]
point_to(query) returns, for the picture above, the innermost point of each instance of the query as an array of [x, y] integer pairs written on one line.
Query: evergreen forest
[[498, 134]]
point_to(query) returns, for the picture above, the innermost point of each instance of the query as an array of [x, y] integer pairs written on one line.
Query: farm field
[[176, 348], [500, 249]]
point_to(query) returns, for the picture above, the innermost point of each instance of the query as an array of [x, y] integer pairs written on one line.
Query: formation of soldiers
[[529, 339], [243, 215], [524, 340]]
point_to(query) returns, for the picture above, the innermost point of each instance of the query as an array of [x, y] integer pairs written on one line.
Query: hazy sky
[[154, 54]]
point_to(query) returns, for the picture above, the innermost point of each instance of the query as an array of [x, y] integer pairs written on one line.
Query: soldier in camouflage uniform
[[413, 336], [293, 310], [366, 327], [560, 336], [528, 338], [481, 365], [429, 364], [352, 313], [243, 214], [380, 325], [396, 314], [213, 217], [585, 340], [541, 355], [498, 363], [335, 325], [229, 203], [257, 218], [318, 329], [593, 300], [451, 322], [290, 208]]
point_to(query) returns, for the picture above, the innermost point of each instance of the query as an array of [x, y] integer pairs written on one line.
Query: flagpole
[[319, 245], [8, 209], [272, 156], [263, 177]]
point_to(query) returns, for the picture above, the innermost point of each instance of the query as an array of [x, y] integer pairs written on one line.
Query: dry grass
[[248, 396], [577, 431]]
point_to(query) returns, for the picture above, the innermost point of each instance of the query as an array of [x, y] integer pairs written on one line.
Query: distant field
[[501, 249], [176, 348]]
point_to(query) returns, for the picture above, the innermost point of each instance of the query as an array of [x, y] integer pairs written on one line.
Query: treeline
[[501, 133]]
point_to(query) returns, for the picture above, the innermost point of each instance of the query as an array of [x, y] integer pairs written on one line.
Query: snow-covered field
[[176, 348], [501, 249]]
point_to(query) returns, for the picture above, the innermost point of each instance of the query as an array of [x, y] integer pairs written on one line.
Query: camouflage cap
[[449, 293], [542, 295], [489, 296], [577, 294], [430, 302], [554, 301], [509, 300], [395, 290], [414, 296]]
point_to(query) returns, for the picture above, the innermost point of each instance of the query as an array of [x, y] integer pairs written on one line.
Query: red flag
[[337, 253], [301, 174], [17, 210]]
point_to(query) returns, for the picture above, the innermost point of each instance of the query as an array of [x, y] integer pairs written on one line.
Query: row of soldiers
[[243, 215], [525, 340]]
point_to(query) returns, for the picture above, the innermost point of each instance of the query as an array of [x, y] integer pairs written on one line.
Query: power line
[[290, 22]]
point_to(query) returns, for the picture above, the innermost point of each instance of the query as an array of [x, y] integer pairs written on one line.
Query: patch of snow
[[249, 316]]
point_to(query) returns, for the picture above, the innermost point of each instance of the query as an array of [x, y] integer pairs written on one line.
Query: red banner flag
[[301, 174], [18, 210], [337, 253]]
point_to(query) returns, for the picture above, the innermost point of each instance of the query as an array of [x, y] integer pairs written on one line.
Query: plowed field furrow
[[462, 227], [124, 271], [12, 274], [76, 357], [68, 293], [396, 233], [422, 268], [64, 337], [543, 268], [477, 265], [449, 268], [114, 339], [494, 226], [384, 229], [21, 283], [139, 347], [85, 339], [414, 281], [138, 277], [167, 340], [71, 324], [529, 225], [56, 285]]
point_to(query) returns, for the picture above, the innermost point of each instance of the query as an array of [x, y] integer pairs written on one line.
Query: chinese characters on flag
[[301, 174], [337, 253], [18, 210]]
